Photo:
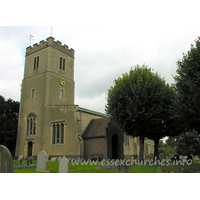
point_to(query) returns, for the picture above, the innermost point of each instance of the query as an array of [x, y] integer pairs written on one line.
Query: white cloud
[[11, 68], [10, 89], [109, 38], [96, 103]]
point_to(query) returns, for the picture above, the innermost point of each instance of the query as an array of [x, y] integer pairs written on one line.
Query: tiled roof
[[96, 128]]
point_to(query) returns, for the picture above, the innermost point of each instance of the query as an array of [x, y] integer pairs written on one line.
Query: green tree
[[186, 143], [188, 89], [9, 111], [165, 148], [143, 105]]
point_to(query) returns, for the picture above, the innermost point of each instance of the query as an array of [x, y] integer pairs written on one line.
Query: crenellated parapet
[[50, 42]]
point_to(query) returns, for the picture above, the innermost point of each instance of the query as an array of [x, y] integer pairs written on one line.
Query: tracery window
[[31, 124]]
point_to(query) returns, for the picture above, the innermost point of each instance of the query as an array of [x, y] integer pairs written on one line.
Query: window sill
[[30, 136]]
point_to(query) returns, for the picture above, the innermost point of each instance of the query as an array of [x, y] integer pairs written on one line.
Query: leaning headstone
[[63, 165], [151, 156], [20, 157], [123, 169], [59, 158], [53, 159], [161, 156], [6, 161], [41, 162]]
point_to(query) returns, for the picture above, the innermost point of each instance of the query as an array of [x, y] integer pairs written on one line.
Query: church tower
[[46, 118], [51, 66]]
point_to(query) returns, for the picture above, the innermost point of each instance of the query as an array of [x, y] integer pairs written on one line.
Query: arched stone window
[[62, 134], [31, 124], [58, 133], [54, 134]]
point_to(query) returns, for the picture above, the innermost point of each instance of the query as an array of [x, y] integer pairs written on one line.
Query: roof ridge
[[92, 111]]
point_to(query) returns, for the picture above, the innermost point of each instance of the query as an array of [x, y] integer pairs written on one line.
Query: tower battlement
[[50, 42]]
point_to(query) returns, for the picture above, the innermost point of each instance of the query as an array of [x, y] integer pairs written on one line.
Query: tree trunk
[[141, 147], [156, 143]]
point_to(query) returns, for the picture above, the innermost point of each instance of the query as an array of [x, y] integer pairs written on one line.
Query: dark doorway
[[30, 147], [115, 146]]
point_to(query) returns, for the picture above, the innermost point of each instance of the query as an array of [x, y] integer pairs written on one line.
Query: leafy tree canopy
[[143, 104], [165, 148], [188, 89], [9, 111], [186, 143]]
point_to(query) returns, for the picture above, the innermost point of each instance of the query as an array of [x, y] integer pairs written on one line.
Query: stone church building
[[50, 121]]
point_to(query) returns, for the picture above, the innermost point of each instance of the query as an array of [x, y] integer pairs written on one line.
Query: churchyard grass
[[53, 166]]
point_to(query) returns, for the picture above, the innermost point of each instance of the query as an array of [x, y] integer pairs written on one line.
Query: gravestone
[[53, 159], [63, 165], [123, 169], [59, 158], [41, 162], [151, 156], [20, 157], [184, 158], [161, 156], [196, 157], [171, 156], [6, 161], [159, 170]]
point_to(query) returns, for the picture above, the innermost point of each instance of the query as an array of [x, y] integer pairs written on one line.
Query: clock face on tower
[[62, 81]]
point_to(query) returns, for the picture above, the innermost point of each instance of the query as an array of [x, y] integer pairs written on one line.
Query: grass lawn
[[54, 166]]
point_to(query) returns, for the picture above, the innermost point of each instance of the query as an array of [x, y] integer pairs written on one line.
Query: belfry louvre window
[[36, 62], [31, 124], [62, 63], [58, 133]]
